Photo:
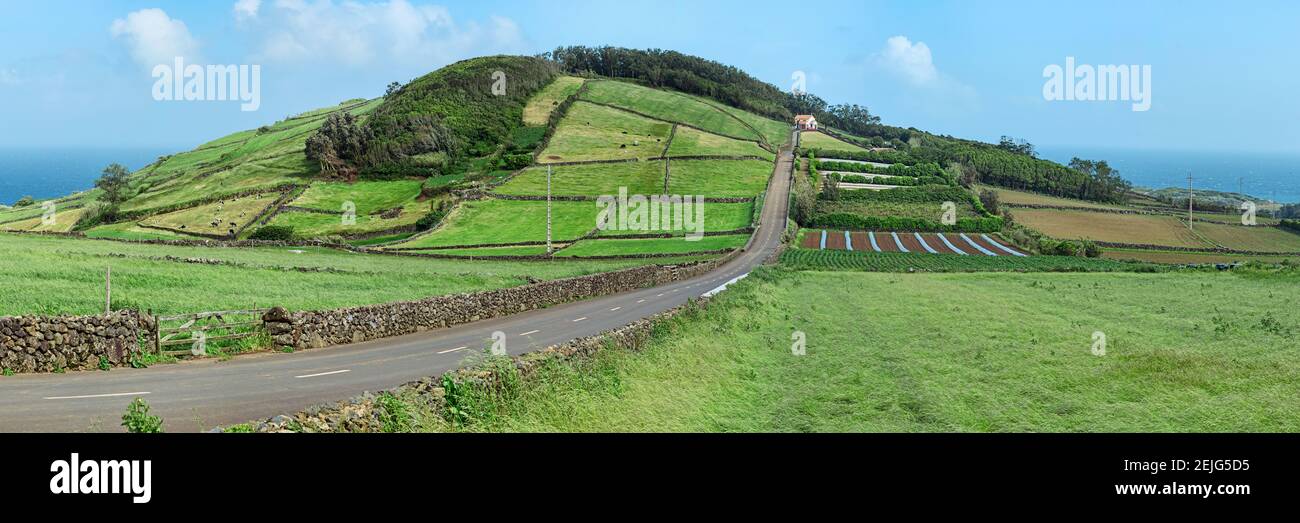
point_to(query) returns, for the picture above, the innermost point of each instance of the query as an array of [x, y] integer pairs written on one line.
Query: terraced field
[[594, 132], [247, 160]]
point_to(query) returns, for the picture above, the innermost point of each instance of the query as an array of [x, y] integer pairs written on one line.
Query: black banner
[[1192, 472]]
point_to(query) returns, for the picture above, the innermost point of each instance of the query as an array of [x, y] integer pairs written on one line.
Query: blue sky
[[1224, 76]]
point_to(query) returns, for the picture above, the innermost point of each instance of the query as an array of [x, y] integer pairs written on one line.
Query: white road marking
[[723, 287], [658, 295], [113, 395], [453, 350], [640, 301], [324, 373], [579, 319], [614, 309], [534, 331]]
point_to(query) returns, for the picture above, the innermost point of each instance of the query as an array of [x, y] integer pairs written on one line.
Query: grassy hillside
[[1204, 361]]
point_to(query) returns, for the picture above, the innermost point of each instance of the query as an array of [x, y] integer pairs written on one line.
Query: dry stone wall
[[50, 344], [313, 329]]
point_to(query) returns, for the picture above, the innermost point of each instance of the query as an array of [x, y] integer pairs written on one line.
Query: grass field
[[228, 216], [594, 132], [666, 105], [503, 221], [1256, 238], [776, 133], [1109, 227], [311, 225], [717, 217], [692, 142], [523, 250], [719, 178], [816, 140], [49, 275], [368, 196], [132, 231], [589, 179], [937, 356], [540, 107], [654, 245]]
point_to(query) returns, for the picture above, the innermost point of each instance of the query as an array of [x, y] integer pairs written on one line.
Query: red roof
[[803, 117]]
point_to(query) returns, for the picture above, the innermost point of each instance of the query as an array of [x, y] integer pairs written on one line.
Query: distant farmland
[[1110, 227]]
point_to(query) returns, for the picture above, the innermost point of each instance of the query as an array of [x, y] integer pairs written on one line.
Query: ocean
[[1273, 176], [52, 172]]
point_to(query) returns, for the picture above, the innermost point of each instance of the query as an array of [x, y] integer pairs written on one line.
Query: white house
[[805, 122]]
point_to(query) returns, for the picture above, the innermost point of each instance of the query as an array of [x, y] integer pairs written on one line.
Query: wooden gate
[[194, 331]]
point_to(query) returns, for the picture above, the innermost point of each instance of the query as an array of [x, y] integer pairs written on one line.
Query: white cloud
[[154, 38], [361, 34], [912, 61], [247, 9]]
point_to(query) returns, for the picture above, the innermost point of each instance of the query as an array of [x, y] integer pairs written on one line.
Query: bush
[[990, 201], [24, 201], [899, 223], [435, 216], [273, 233], [96, 213], [137, 419], [514, 162]]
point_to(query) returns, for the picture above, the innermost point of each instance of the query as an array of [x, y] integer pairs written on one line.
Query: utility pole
[[548, 210], [108, 291], [1189, 200]]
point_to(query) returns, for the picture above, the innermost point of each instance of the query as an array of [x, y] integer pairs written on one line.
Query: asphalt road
[[202, 394]]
